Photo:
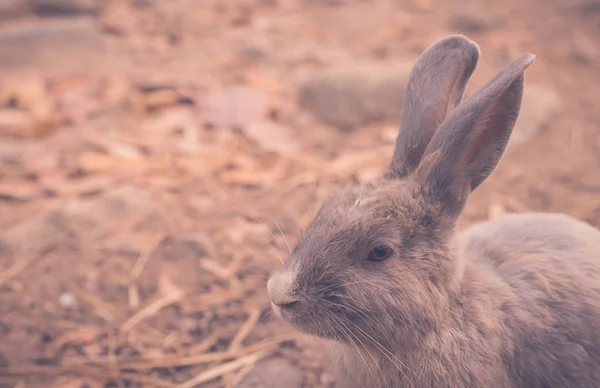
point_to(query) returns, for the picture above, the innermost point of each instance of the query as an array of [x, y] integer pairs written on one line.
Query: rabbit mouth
[[306, 321], [324, 324]]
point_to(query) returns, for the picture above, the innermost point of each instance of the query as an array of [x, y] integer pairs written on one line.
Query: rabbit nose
[[280, 288]]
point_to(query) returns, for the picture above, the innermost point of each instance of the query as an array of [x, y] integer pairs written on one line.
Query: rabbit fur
[[404, 300]]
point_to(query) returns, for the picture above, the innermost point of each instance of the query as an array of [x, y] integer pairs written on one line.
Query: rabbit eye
[[379, 253]]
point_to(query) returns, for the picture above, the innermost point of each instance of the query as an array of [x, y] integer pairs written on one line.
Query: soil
[[159, 158]]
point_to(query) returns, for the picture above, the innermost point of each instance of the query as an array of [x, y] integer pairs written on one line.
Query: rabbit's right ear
[[435, 87], [468, 145]]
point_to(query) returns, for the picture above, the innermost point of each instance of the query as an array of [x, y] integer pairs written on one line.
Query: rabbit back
[[550, 305]]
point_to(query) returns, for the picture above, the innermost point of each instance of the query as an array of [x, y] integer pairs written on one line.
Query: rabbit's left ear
[[469, 143], [435, 86]]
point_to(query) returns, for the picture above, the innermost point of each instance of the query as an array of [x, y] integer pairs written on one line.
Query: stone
[[473, 22], [61, 45], [273, 373], [64, 7], [175, 248], [539, 108], [351, 98], [100, 215], [39, 235], [60, 228], [13, 8]]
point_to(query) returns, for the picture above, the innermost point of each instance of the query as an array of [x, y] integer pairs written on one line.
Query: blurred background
[[158, 158]]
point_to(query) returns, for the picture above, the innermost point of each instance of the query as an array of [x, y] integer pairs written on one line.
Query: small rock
[[540, 106], [67, 300], [273, 373], [63, 45], [273, 137], [254, 47], [63, 7], [315, 54], [144, 3], [47, 232], [351, 98], [13, 8], [174, 248], [14, 122], [475, 22], [120, 18], [421, 5], [97, 216], [583, 48], [60, 228]]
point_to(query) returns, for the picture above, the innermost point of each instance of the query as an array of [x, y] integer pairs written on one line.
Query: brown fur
[[514, 302]]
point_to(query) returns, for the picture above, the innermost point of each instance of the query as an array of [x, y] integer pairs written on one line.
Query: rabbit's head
[[375, 266]]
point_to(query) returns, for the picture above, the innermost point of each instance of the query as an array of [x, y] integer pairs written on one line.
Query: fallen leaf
[[495, 211], [236, 107], [241, 177], [84, 335], [15, 120], [94, 350], [101, 163], [154, 353], [78, 383], [29, 91], [272, 137], [166, 286], [18, 191], [119, 17], [76, 106]]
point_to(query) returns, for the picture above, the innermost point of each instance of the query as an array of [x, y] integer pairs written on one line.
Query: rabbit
[[403, 299]]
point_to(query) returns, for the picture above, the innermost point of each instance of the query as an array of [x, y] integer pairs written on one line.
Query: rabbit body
[[527, 314], [404, 300]]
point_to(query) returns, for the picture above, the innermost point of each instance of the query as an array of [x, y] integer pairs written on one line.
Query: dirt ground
[[158, 158]]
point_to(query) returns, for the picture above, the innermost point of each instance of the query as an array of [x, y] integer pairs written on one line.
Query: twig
[[101, 308], [204, 345], [176, 361], [246, 328], [13, 373], [147, 380], [136, 271], [151, 309], [112, 357], [208, 302], [18, 267], [239, 376], [224, 368]]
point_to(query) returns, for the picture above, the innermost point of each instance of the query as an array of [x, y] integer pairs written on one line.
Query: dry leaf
[[78, 337], [94, 349], [100, 163], [158, 99], [23, 124], [14, 120], [154, 353], [76, 106], [30, 93], [422, 5], [236, 107], [119, 16], [166, 286], [18, 190], [78, 383], [241, 177], [272, 137], [496, 210]]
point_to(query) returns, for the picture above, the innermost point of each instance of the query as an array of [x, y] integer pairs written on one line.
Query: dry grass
[[140, 222]]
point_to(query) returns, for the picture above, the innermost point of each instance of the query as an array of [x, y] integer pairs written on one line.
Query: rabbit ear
[[469, 143], [435, 86]]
